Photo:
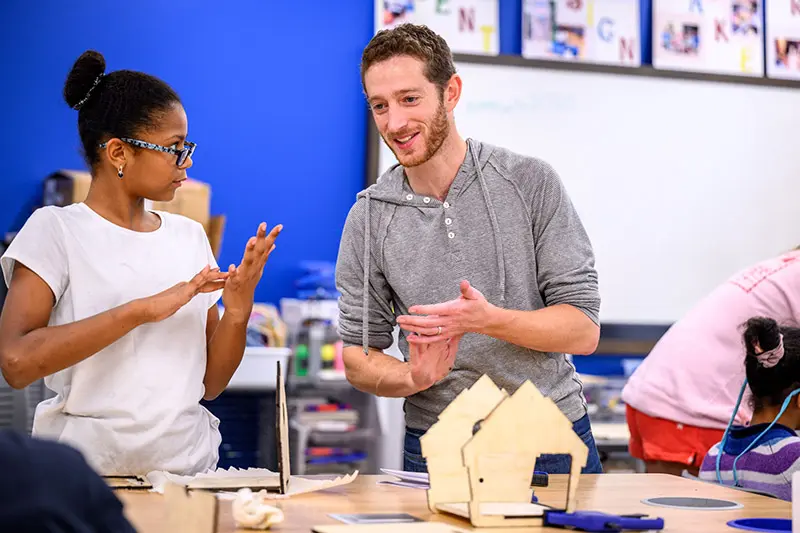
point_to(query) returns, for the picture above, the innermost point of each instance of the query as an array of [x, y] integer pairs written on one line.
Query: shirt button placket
[[450, 230], [448, 221]]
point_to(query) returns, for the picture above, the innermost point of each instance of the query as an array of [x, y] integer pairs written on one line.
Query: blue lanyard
[[786, 403]]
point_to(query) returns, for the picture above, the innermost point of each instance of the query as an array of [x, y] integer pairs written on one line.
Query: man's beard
[[439, 129]]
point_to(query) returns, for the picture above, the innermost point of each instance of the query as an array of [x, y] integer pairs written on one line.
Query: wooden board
[[506, 509], [412, 527], [127, 482], [195, 512], [256, 483], [282, 433]]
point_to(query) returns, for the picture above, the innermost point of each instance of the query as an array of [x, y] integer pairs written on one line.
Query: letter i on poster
[[783, 39], [715, 36]]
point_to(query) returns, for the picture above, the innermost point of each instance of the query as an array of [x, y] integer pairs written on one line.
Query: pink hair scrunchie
[[771, 357]]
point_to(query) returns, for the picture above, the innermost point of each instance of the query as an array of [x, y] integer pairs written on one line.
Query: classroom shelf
[[333, 438], [366, 437]]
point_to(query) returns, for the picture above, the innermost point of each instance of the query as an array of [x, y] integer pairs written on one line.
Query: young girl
[[764, 455], [679, 399], [115, 305]]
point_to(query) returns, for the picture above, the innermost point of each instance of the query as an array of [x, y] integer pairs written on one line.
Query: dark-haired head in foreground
[[47, 487]]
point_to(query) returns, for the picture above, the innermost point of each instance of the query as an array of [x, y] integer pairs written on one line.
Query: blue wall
[[273, 98]]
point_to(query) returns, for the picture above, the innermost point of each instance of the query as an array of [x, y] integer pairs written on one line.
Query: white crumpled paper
[[251, 511]]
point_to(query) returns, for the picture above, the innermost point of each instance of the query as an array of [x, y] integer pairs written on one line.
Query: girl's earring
[[120, 172]]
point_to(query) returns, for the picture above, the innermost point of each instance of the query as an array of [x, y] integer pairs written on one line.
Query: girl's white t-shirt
[[132, 407]]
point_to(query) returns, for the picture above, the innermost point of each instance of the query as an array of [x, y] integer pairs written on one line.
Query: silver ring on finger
[[440, 330]]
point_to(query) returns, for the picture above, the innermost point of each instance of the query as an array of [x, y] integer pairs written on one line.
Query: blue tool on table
[[763, 525], [596, 521]]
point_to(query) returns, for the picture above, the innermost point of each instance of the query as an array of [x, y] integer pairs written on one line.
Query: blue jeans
[[552, 464]]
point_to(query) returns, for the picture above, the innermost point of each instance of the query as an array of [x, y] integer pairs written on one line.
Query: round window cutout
[[707, 504]]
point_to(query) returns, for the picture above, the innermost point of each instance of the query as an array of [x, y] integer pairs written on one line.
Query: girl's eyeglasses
[[182, 153]]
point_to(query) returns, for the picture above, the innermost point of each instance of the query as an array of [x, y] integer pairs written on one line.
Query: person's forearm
[[559, 328], [378, 373], [47, 350], [225, 353]]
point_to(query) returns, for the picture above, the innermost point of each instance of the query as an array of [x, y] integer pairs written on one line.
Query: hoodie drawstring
[[365, 301], [498, 242]]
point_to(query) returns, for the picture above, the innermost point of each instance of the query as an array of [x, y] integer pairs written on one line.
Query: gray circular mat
[[704, 504]]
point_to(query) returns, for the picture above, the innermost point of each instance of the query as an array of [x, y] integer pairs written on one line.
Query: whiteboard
[[679, 183]]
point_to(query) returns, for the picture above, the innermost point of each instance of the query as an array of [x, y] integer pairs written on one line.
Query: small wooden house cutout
[[442, 443], [482, 451]]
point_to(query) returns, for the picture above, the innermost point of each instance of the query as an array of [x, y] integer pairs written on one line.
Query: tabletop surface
[[610, 493]]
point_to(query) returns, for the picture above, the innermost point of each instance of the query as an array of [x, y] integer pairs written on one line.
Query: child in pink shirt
[[681, 397]]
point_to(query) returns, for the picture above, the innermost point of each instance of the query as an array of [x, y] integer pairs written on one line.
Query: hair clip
[[88, 93]]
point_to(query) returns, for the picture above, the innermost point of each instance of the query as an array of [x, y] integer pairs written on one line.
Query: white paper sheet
[[404, 484], [297, 485], [417, 480]]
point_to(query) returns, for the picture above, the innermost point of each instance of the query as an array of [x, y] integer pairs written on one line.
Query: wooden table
[[612, 493]]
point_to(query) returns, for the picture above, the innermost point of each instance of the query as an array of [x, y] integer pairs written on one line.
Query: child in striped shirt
[[763, 456]]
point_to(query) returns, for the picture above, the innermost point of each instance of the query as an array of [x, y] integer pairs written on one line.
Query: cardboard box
[[216, 228], [192, 200], [66, 187]]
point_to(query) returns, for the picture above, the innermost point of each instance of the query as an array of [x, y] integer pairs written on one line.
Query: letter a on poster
[[716, 36]]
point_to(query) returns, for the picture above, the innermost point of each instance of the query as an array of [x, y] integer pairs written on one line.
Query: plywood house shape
[[442, 443], [482, 451]]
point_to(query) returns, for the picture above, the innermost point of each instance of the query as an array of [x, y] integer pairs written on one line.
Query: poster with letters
[[783, 39], [714, 36], [599, 31], [468, 26]]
